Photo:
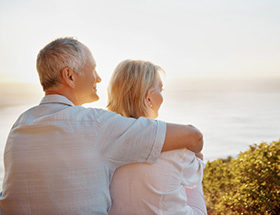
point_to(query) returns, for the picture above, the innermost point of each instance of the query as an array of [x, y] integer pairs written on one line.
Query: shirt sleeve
[[192, 170], [127, 140]]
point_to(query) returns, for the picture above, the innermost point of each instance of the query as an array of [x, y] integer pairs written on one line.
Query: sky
[[188, 39], [211, 45]]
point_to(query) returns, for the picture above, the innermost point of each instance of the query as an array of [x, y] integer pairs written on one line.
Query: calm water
[[230, 120]]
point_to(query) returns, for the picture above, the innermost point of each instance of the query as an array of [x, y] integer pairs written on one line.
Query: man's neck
[[64, 93]]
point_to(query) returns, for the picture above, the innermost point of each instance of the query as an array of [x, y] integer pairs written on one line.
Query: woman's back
[[157, 188], [160, 188]]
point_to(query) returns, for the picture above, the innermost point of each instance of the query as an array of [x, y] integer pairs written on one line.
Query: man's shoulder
[[80, 113], [56, 112], [89, 112]]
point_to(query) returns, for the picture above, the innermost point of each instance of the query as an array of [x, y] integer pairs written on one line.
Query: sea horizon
[[231, 114]]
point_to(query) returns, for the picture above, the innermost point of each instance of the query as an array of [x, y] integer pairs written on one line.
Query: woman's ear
[[68, 77], [148, 99]]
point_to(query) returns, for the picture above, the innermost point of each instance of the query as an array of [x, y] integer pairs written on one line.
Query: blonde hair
[[130, 82]]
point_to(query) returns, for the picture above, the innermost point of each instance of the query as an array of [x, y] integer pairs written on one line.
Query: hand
[[199, 155], [182, 136]]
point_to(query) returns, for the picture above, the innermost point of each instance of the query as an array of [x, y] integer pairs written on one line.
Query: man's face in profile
[[85, 87]]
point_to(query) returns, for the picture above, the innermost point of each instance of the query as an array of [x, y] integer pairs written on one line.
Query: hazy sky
[[208, 39]]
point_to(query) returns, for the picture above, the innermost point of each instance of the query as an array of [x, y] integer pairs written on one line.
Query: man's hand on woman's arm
[[182, 136]]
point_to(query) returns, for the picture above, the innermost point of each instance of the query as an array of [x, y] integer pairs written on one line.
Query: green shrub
[[249, 184]]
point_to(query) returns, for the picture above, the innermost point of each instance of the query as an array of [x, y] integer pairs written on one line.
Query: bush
[[249, 184]]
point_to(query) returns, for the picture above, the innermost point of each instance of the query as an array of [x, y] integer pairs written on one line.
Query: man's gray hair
[[57, 55]]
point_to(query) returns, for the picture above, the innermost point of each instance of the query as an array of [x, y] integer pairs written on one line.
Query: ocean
[[231, 114]]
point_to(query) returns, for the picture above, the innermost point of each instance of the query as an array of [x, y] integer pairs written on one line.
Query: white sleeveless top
[[157, 188]]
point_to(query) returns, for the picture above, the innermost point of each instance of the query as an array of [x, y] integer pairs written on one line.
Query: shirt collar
[[56, 99]]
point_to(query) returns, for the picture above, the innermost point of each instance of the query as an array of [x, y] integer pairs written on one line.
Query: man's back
[[59, 158]]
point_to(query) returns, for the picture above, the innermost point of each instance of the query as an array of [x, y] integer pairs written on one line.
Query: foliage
[[249, 184]]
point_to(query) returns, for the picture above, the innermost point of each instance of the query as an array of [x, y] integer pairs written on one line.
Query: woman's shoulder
[[183, 155]]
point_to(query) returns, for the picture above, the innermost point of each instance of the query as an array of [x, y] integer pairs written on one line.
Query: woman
[[172, 185]]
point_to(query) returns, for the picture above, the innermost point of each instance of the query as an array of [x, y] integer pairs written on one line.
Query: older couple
[[60, 157]]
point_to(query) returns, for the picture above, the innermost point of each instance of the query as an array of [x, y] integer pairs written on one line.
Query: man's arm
[[182, 136]]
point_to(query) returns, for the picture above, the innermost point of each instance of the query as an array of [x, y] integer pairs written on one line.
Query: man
[[60, 157]]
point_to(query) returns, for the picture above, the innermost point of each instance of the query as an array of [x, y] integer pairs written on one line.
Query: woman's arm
[[192, 169], [182, 136]]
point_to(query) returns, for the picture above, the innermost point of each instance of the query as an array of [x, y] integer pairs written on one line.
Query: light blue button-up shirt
[[60, 158]]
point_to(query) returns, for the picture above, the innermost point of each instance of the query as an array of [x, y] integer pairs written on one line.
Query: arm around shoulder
[[182, 136]]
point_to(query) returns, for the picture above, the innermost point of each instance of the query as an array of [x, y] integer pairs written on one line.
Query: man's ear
[[68, 77]]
